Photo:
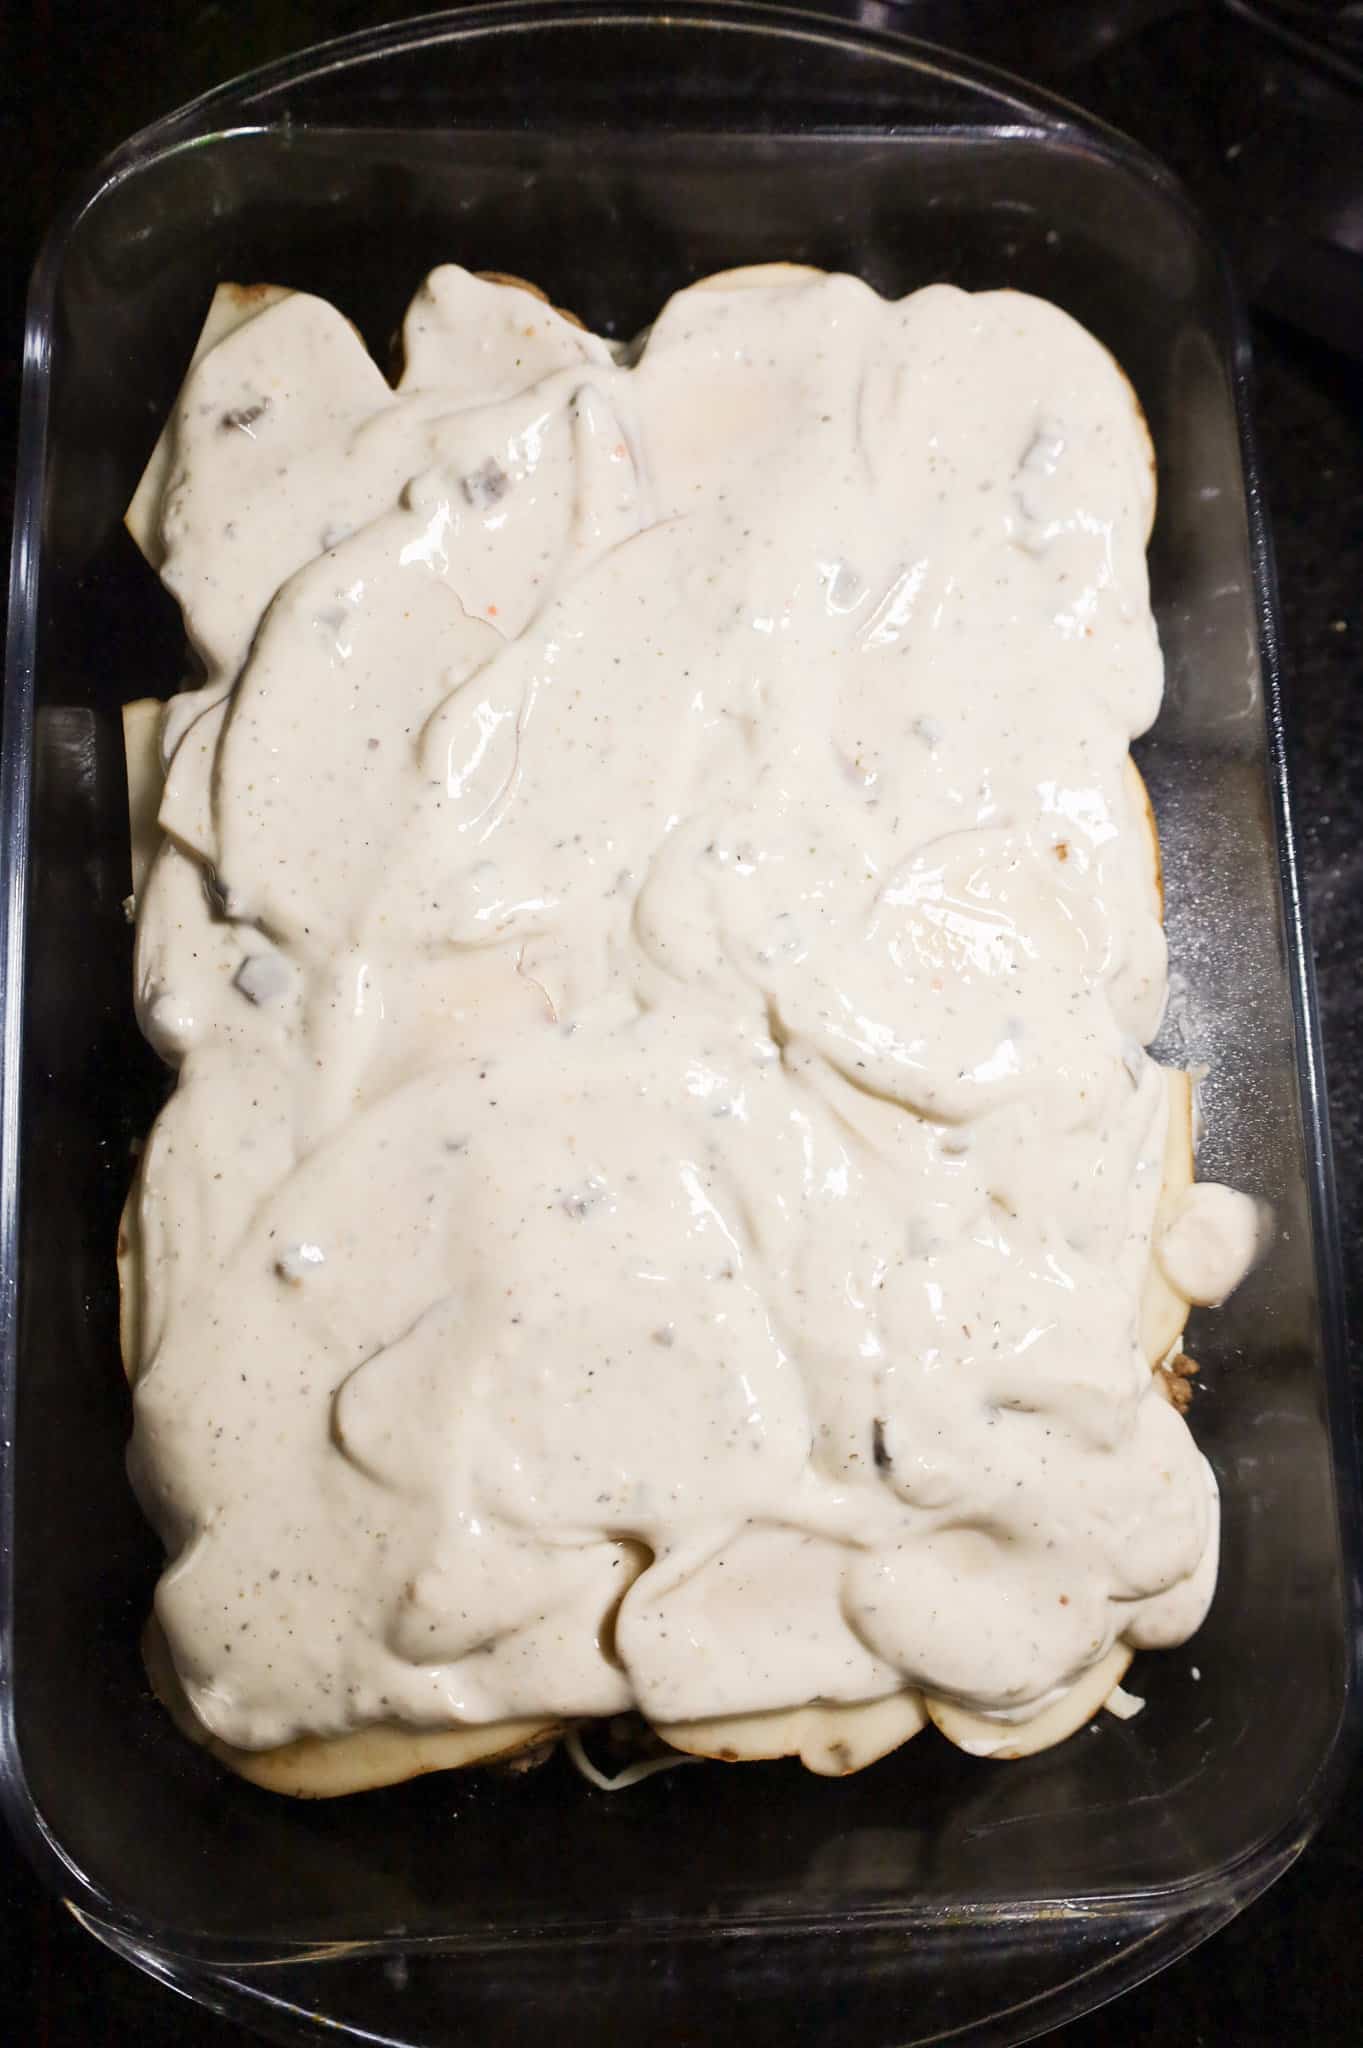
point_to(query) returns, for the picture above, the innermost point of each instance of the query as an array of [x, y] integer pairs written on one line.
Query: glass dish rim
[[1187, 1912]]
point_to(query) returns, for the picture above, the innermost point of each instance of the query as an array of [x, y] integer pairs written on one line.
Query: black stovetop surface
[[1260, 110]]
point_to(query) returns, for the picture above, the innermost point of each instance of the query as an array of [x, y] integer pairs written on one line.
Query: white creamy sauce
[[658, 933], [1209, 1243]]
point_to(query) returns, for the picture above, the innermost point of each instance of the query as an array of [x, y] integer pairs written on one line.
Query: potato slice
[[832, 1739], [755, 276], [329, 1767], [130, 1279], [1003, 1741], [1145, 811], [1164, 1312], [146, 779], [522, 284], [1142, 426], [232, 306]]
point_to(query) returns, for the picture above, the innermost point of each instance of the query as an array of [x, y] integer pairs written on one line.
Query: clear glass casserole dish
[[612, 154]]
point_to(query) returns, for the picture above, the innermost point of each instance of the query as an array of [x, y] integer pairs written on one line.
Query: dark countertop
[[1271, 143]]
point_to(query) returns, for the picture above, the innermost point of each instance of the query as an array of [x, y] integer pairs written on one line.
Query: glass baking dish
[[612, 153]]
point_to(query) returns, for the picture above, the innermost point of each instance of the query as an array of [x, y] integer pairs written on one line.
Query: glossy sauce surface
[[658, 931]]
